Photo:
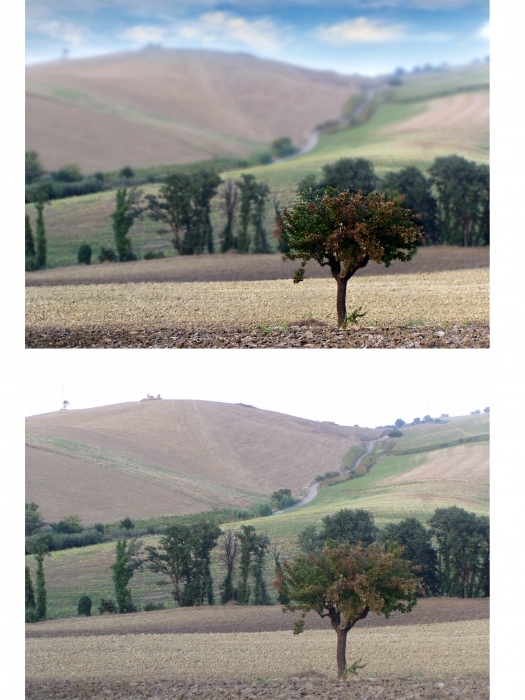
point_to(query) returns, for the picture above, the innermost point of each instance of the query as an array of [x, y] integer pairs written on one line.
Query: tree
[[41, 242], [30, 242], [127, 209], [352, 174], [40, 549], [126, 524], [462, 550], [399, 423], [34, 520], [345, 583], [127, 560], [260, 195], [229, 197], [309, 540], [84, 606], [416, 194], [247, 186], [30, 599], [417, 548], [247, 538], [127, 172], [463, 189], [173, 557], [344, 231], [276, 553], [350, 526], [260, 547], [228, 544], [34, 168], [199, 582], [69, 173], [68, 525], [283, 147], [84, 254], [172, 207]]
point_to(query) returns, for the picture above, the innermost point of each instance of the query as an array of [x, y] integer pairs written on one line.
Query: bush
[[98, 527], [107, 606], [286, 502], [68, 526], [393, 433], [84, 606], [152, 255], [84, 254], [58, 541], [153, 606], [107, 254], [127, 172]]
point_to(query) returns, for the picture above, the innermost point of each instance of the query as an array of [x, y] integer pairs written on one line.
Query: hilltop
[[173, 106], [153, 458]]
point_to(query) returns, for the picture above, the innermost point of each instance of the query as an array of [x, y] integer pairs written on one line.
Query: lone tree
[[126, 561], [344, 231], [345, 583], [127, 209]]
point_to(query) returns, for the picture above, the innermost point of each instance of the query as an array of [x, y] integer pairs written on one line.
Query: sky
[[349, 36], [369, 388]]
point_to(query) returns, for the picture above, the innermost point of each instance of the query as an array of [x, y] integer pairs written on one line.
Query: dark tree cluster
[[452, 553], [251, 197]]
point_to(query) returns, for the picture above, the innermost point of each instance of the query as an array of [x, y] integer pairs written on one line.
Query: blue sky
[[349, 36]]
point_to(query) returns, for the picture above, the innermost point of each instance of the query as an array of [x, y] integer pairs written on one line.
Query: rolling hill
[[173, 106], [153, 458]]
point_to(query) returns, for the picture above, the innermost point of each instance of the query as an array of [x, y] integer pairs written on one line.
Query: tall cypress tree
[[41, 242], [30, 598], [30, 241], [41, 592], [247, 537]]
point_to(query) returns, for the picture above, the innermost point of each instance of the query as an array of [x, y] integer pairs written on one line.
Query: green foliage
[[283, 147], [417, 548], [399, 423], [107, 254], [107, 606], [127, 172], [127, 524], [247, 537], [69, 525], [326, 475], [149, 607], [30, 242], [353, 174], [41, 242], [127, 560], [84, 606], [126, 211], [62, 190], [353, 668], [69, 173], [309, 540], [34, 168], [99, 527], [416, 194], [153, 255], [344, 231], [350, 526], [30, 609], [228, 544], [463, 550], [463, 189], [58, 541], [345, 583], [34, 520], [353, 316], [41, 550], [394, 433], [282, 499], [84, 254]]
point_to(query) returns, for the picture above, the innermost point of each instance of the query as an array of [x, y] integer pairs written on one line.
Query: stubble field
[[436, 648]]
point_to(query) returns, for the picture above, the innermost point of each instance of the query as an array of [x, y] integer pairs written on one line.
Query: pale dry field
[[463, 112], [461, 463], [172, 106], [453, 648], [460, 296]]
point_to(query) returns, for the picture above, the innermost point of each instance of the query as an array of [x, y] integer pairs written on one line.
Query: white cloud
[[485, 31], [218, 27], [62, 31], [143, 33], [361, 31]]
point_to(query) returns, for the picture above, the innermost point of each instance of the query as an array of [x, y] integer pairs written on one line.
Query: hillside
[[172, 106], [397, 486], [155, 458]]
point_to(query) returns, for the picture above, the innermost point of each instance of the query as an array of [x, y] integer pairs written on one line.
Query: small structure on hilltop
[[149, 397], [444, 415]]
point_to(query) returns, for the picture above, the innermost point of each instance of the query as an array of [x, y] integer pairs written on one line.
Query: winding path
[[312, 493]]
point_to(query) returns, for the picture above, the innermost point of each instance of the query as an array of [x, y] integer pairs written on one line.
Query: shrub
[[107, 254], [286, 502], [152, 255], [69, 173], [98, 527], [84, 606], [84, 254], [68, 526], [127, 172], [153, 606], [394, 433], [107, 606]]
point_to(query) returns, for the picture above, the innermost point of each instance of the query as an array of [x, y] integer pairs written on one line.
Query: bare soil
[[249, 619], [234, 267], [471, 336], [463, 112]]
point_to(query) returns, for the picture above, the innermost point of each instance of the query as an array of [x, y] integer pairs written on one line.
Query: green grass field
[[75, 572], [76, 220]]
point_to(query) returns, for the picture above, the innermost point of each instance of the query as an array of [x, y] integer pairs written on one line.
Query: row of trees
[[453, 551]]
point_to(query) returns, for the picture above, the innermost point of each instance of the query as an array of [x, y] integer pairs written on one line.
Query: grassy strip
[[431, 448]]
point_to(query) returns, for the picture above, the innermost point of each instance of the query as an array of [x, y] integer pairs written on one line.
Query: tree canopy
[[344, 231], [345, 583]]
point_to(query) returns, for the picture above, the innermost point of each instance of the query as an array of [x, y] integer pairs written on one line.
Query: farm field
[[234, 268], [172, 458], [453, 297]]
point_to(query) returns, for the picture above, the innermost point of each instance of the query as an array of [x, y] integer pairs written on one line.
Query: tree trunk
[[341, 300], [341, 652]]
